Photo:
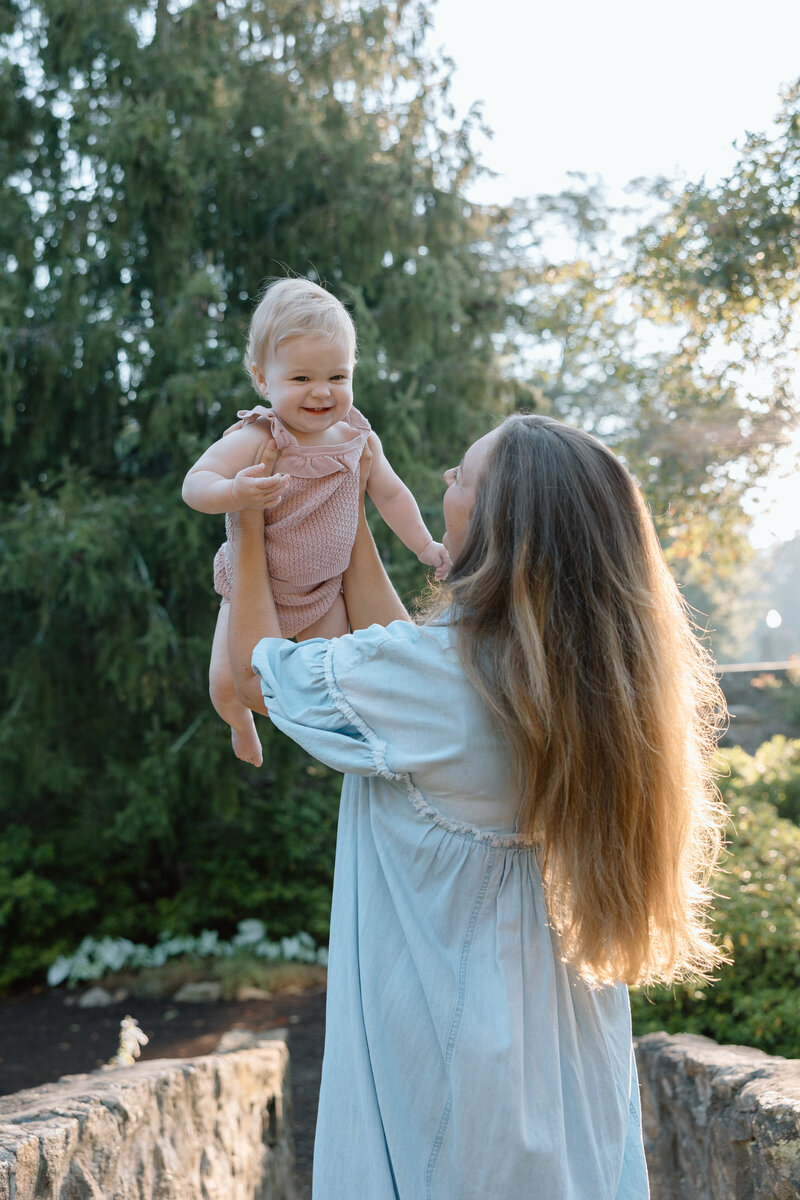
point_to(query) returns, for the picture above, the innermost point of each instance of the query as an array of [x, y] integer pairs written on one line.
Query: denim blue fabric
[[464, 1060]]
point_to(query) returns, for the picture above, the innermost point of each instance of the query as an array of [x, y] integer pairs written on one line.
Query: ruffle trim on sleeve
[[377, 747], [498, 841]]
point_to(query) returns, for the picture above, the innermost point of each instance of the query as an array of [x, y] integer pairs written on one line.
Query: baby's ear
[[259, 381]]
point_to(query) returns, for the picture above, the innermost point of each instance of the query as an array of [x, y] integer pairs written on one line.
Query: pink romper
[[309, 536]]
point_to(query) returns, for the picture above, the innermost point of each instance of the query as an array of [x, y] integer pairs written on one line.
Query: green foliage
[[161, 161], [677, 344], [727, 254], [754, 1001], [772, 774], [97, 958]]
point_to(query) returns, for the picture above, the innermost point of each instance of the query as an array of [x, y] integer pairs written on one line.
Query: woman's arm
[[369, 595], [252, 613]]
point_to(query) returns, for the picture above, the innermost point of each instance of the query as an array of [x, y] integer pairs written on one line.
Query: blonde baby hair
[[291, 308]]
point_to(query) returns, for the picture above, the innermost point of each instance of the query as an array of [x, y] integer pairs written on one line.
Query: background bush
[[160, 162], [756, 1000]]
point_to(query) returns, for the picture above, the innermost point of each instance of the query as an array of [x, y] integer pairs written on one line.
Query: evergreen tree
[[161, 161]]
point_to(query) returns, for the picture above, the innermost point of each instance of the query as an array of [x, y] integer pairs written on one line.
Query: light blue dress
[[463, 1059]]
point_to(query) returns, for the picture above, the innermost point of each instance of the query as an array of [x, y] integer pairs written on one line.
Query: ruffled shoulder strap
[[283, 439], [309, 462], [357, 420]]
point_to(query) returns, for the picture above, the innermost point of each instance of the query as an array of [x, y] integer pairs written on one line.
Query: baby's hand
[[435, 555], [252, 489]]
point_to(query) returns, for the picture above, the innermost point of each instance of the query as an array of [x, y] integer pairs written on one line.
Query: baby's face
[[310, 384]]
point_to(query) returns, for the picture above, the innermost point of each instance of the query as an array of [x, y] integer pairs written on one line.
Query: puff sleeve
[[305, 701]]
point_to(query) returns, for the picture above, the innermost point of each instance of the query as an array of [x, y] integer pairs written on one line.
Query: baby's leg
[[223, 696], [331, 624]]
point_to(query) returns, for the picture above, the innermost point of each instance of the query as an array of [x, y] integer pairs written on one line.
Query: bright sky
[[621, 89]]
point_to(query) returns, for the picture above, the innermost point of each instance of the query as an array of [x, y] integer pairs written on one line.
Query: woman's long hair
[[572, 629]]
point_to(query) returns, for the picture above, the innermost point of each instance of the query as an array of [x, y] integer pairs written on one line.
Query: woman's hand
[[256, 488], [364, 468], [252, 613], [236, 473]]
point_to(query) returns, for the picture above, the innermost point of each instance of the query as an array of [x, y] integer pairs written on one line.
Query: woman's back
[[463, 1057]]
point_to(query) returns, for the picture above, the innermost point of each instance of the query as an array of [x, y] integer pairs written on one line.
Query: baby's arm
[[224, 478], [400, 511]]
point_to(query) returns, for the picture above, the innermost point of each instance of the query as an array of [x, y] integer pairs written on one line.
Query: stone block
[[215, 1127], [720, 1122]]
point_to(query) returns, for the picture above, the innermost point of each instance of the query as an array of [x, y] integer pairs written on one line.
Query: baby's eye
[[299, 379], [338, 378]]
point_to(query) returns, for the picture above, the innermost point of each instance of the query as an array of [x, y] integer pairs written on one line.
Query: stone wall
[[210, 1128], [720, 1122], [758, 712]]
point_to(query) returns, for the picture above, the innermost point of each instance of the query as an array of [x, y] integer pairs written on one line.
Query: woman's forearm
[[252, 615], [368, 592]]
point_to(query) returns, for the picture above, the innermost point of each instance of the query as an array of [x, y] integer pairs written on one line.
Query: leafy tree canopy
[[677, 341], [161, 160]]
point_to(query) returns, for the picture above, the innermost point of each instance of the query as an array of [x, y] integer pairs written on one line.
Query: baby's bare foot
[[246, 745]]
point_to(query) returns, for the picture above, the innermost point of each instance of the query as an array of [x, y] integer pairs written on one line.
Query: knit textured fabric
[[308, 536]]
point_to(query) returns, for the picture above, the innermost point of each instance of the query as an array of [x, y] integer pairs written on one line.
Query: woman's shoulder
[[401, 645], [400, 633]]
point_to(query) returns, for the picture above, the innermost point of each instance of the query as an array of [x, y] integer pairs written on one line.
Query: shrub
[[756, 999], [772, 774], [95, 959]]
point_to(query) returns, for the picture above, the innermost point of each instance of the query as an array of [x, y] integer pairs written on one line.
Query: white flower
[[59, 971], [268, 950], [250, 932], [94, 958]]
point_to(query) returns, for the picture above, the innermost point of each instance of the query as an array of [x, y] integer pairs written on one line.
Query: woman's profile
[[528, 822]]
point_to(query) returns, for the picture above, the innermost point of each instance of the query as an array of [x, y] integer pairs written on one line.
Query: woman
[[527, 823]]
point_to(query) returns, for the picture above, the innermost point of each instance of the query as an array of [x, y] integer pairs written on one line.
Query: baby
[[301, 354]]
